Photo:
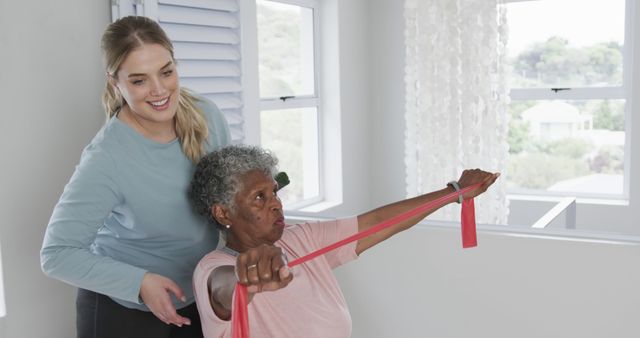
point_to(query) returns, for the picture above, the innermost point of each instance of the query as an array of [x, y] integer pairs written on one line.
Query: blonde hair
[[121, 38]]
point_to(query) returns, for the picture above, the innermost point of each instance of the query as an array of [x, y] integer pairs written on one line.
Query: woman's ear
[[221, 214]]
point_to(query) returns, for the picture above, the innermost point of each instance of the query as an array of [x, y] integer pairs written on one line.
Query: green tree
[[555, 62], [278, 39], [540, 171], [603, 118], [608, 160], [604, 63], [518, 136], [569, 148], [609, 115]]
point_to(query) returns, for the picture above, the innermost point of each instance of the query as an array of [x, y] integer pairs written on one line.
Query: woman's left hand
[[472, 176], [155, 292]]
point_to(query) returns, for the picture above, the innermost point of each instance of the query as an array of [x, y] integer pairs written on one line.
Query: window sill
[[556, 234], [579, 200], [548, 233], [313, 209]]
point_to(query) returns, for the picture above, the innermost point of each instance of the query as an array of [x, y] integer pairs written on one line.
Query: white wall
[[346, 77], [423, 284], [387, 50], [50, 86]]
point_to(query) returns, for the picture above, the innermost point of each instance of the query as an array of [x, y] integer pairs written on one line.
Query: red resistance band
[[239, 315]]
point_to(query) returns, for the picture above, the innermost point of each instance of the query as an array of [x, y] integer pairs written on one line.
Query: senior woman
[[235, 186]]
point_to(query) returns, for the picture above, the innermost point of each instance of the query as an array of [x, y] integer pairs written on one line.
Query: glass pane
[[567, 146], [565, 43], [292, 134], [285, 48]]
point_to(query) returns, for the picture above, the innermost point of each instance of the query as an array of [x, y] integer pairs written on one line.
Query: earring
[[227, 226]]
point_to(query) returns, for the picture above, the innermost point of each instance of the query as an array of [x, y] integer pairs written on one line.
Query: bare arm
[[373, 217], [221, 285]]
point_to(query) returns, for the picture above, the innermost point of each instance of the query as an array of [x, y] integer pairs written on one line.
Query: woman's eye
[[137, 82], [260, 196], [168, 72]]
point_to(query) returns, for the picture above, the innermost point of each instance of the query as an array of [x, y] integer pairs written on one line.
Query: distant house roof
[[553, 112]]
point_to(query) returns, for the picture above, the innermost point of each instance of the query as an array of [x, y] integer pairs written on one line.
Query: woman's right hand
[[263, 268], [155, 293], [472, 176]]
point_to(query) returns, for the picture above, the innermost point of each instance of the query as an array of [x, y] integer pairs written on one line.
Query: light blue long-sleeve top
[[126, 211]]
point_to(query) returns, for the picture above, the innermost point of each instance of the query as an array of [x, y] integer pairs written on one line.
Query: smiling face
[[257, 217], [148, 82]]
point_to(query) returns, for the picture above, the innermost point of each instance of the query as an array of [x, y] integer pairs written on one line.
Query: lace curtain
[[456, 98]]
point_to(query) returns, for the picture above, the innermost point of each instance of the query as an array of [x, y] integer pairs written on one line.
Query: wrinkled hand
[[263, 269], [155, 293], [473, 176]]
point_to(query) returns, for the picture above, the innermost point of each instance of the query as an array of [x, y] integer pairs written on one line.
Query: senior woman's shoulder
[[215, 258], [326, 230], [305, 231]]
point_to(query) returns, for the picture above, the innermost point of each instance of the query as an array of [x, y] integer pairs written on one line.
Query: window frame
[[303, 101], [618, 92]]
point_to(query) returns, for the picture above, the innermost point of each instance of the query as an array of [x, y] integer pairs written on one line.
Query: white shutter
[[206, 39]]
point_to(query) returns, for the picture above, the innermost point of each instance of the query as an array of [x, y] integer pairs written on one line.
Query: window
[[289, 100], [570, 71]]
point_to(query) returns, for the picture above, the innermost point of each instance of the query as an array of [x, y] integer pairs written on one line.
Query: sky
[[582, 22]]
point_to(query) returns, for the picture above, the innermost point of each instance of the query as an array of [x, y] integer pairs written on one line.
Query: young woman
[[124, 231]]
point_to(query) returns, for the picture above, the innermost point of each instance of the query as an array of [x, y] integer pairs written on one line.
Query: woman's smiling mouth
[[161, 104]]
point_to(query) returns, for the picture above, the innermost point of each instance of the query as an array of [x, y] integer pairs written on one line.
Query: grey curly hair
[[217, 176]]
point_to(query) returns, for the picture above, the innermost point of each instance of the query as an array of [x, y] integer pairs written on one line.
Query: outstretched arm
[[378, 215]]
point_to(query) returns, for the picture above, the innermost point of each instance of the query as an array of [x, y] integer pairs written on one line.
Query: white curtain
[[456, 98]]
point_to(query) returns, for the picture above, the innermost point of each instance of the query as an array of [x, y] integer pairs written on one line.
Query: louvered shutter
[[206, 39]]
